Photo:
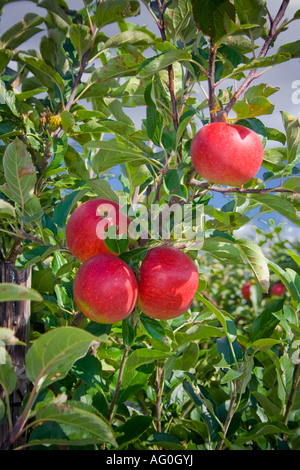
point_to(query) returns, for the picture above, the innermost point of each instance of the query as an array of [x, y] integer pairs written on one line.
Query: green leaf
[[264, 344], [112, 11], [210, 16], [133, 428], [292, 48], [277, 204], [253, 107], [5, 57], [55, 8], [94, 427], [271, 410], [14, 292], [67, 121], [173, 184], [165, 441], [179, 21], [32, 256], [52, 355], [262, 429], [62, 209], [252, 11], [162, 61], [43, 72], [8, 376], [6, 210], [264, 325], [21, 31], [154, 327], [198, 333], [135, 37], [220, 315], [112, 153], [81, 38], [292, 183], [76, 164], [261, 62], [19, 172], [231, 375], [103, 189], [144, 356], [123, 65], [254, 257], [30, 93], [274, 159], [292, 128]]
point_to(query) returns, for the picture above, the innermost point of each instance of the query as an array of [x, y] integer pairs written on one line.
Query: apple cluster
[[106, 289]]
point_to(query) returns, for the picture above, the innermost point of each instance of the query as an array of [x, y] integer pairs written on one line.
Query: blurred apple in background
[[277, 289]]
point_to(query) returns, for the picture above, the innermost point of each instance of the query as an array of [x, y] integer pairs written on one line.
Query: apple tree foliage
[[225, 375]]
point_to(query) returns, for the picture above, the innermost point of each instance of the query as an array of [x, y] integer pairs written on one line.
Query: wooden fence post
[[16, 316]]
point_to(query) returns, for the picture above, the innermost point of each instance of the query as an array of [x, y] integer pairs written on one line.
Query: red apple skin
[[227, 154], [105, 289], [81, 230], [246, 290], [278, 289], [168, 282]]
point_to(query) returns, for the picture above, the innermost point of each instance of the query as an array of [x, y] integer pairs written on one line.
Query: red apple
[[168, 282], [227, 154], [278, 289], [105, 289], [246, 290], [85, 229]]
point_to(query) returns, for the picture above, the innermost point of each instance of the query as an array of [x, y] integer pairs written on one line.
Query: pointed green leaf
[[81, 38], [210, 16], [14, 292], [80, 418], [19, 172], [254, 257], [52, 355]]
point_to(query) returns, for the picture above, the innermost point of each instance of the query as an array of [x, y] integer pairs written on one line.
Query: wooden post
[[16, 316]]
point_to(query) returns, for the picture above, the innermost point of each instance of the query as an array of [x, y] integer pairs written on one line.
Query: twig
[[159, 389], [205, 186], [161, 24], [229, 417], [211, 81], [264, 50], [119, 383]]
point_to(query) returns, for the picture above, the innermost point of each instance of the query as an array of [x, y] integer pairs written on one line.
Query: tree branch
[[205, 186], [161, 8], [211, 82], [264, 50]]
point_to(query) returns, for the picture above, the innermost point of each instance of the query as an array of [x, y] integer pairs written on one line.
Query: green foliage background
[[225, 375]]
